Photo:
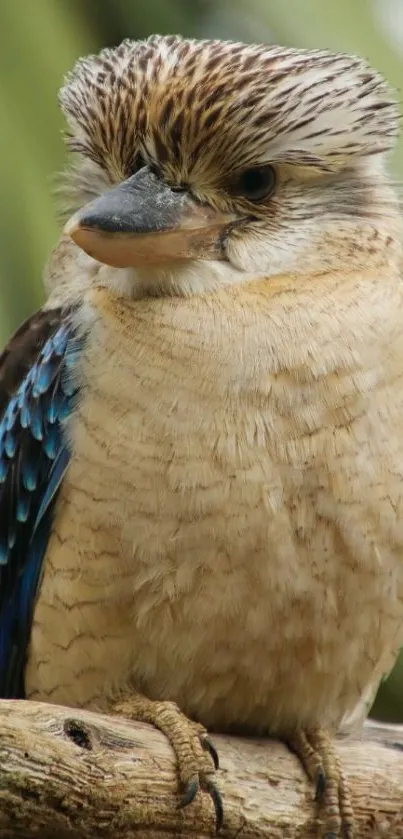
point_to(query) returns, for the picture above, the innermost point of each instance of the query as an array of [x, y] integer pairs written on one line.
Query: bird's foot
[[321, 763], [195, 753]]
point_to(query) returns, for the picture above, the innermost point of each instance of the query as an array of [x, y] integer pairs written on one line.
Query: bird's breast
[[217, 524]]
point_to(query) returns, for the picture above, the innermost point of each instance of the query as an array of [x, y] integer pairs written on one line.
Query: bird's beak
[[142, 221]]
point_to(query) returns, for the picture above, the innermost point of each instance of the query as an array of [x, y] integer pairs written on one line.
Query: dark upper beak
[[143, 221]]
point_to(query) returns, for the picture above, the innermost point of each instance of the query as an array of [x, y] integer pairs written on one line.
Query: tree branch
[[74, 775]]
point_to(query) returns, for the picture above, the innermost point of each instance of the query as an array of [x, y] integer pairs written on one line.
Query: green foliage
[[39, 44]]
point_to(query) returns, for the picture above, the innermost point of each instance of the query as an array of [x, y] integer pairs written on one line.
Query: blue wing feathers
[[34, 457]]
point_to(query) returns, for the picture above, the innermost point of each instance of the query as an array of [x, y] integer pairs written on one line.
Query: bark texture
[[78, 775]]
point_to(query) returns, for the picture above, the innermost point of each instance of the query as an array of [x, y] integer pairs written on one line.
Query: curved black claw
[[320, 786], [209, 747], [192, 788], [216, 798]]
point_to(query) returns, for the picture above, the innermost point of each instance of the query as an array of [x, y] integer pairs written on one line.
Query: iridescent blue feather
[[34, 457]]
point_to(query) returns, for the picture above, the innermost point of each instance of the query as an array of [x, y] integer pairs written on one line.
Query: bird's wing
[[38, 390]]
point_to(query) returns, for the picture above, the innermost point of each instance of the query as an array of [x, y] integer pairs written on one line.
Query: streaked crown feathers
[[199, 108]]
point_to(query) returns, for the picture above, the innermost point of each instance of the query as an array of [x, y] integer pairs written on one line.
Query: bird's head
[[204, 163]]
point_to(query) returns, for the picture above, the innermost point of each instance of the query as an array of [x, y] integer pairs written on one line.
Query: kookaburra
[[201, 439]]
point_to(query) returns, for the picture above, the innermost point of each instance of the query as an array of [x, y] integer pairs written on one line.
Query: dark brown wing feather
[[22, 350], [38, 392]]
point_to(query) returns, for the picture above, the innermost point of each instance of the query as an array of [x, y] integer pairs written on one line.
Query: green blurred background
[[40, 40]]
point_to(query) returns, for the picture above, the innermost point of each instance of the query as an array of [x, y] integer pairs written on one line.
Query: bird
[[201, 448]]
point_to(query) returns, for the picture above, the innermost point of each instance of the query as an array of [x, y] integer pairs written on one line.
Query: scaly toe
[[195, 753], [321, 763]]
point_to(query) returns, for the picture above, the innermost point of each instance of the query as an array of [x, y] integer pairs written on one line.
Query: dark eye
[[255, 184], [135, 163]]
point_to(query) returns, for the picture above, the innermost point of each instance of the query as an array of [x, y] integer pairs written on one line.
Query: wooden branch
[[74, 775]]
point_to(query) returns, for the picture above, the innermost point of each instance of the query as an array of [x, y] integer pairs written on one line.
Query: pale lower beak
[[142, 221]]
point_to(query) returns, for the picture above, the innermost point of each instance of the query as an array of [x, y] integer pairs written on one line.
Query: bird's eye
[[255, 184], [137, 162]]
